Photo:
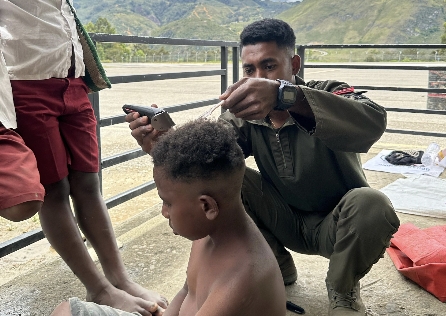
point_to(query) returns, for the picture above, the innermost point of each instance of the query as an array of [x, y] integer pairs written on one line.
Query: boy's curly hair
[[199, 149], [269, 30]]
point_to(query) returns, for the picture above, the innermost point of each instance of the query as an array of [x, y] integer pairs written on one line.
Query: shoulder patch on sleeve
[[344, 91]]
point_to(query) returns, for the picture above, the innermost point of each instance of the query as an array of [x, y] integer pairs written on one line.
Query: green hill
[[315, 21], [203, 19], [373, 21]]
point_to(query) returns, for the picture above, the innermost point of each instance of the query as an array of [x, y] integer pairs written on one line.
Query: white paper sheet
[[418, 195], [379, 163]]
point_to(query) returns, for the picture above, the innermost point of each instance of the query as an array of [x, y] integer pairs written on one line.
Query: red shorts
[[19, 178], [56, 120]]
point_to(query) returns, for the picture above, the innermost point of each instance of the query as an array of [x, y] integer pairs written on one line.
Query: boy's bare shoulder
[[244, 279]]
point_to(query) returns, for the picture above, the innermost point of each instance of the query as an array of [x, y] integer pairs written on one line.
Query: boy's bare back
[[237, 277]]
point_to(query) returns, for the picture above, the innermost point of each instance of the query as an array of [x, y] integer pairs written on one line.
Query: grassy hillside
[[315, 21], [374, 21], [204, 19], [214, 20]]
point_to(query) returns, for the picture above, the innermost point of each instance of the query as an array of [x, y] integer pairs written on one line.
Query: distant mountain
[[314, 21], [373, 22], [203, 19]]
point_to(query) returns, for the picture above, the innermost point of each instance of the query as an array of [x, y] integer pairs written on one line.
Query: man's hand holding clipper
[[144, 133]]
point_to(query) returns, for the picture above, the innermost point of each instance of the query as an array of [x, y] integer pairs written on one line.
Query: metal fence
[[31, 237], [302, 49]]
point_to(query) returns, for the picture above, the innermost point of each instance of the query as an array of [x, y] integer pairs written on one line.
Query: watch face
[[289, 96]]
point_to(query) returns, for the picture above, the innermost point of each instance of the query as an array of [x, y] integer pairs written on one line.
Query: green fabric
[[95, 77], [314, 169], [343, 234]]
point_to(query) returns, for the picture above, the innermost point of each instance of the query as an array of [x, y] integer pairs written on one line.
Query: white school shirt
[[7, 112], [38, 37]]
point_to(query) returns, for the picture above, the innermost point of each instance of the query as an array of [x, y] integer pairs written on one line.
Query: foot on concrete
[[122, 300], [345, 304], [137, 290], [287, 267]]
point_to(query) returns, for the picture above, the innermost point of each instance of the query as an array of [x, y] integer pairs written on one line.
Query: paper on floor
[[418, 195], [379, 163]]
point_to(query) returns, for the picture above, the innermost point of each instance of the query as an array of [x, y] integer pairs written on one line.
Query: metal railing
[[36, 235], [301, 50], [31, 237]]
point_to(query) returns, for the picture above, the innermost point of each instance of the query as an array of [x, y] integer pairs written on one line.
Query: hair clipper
[[158, 117]]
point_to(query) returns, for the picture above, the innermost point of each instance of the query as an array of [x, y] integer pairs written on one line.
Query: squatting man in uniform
[[310, 194]]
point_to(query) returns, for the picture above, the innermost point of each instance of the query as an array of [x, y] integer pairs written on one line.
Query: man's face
[[266, 60]]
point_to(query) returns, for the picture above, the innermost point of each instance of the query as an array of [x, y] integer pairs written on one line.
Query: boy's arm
[[174, 307]]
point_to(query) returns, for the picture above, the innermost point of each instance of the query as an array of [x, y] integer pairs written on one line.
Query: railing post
[[94, 100], [224, 65], [235, 62], [301, 53]]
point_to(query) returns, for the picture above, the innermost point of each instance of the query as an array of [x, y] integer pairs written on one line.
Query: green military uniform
[[311, 194]]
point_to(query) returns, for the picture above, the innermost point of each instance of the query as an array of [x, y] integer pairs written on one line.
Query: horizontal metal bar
[[123, 157], [165, 76], [112, 120], [435, 112], [402, 131], [20, 242], [427, 90], [374, 66], [116, 38], [129, 194], [29, 238], [397, 46]]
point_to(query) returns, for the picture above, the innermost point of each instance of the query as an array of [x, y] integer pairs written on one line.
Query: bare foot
[[137, 290], [122, 300]]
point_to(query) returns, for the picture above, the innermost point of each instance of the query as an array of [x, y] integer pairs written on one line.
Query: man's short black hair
[[200, 149], [268, 30]]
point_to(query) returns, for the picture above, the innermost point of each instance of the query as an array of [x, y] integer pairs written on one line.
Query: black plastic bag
[[405, 157]]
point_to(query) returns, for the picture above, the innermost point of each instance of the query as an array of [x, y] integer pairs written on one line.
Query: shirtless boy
[[198, 170]]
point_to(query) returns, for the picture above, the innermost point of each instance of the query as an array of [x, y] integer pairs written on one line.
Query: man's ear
[[295, 62], [209, 207]]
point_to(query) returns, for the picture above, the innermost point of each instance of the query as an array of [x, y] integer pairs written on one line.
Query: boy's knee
[[22, 211], [63, 309], [83, 182]]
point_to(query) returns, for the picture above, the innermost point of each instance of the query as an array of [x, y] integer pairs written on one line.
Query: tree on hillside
[[443, 38], [100, 26], [120, 52], [107, 51]]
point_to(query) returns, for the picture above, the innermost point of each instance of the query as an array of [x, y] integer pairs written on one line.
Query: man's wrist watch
[[286, 96]]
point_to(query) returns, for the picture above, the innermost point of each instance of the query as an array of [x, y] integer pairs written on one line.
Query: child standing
[[45, 63]]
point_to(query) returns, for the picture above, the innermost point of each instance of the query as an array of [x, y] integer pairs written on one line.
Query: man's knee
[[252, 182], [371, 208]]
